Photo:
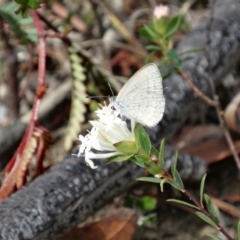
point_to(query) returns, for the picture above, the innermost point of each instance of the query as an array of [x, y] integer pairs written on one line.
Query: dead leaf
[[205, 141], [119, 225]]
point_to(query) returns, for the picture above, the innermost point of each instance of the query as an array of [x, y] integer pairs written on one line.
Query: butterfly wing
[[141, 98]]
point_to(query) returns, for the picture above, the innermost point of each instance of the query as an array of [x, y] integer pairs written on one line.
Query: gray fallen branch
[[70, 192]]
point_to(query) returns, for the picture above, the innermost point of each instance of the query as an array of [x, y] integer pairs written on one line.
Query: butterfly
[[141, 98]]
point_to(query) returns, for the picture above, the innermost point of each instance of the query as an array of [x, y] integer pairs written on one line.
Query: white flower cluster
[[106, 131]]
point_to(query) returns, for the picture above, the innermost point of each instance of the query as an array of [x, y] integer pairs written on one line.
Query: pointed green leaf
[[119, 158], [213, 236], [140, 160], [173, 55], [167, 68], [178, 179], [161, 154], [202, 188], [154, 151], [238, 230], [21, 1], [178, 64], [148, 33], [174, 165], [33, 4], [207, 219], [160, 26], [183, 203], [174, 183], [173, 26], [173, 59], [135, 161], [126, 147], [211, 208], [142, 139], [197, 49], [152, 168], [155, 48], [150, 179]]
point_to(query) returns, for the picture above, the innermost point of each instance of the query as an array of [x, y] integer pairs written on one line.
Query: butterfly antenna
[[96, 96], [111, 89]]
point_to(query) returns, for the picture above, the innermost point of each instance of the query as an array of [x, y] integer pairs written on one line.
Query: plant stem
[[215, 103], [205, 212]]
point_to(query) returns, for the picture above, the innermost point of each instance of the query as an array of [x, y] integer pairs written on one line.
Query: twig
[[205, 212], [196, 89], [215, 96]]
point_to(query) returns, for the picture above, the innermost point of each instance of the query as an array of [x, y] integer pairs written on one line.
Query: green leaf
[[17, 23], [238, 230], [32, 34], [137, 162], [148, 33], [148, 203], [154, 151], [161, 154], [140, 160], [126, 147], [174, 59], [119, 158], [142, 140], [33, 4], [178, 179], [202, 188], [211, 208], [173, 55], [213, 236], [175, 173], [183, 203], [178, 64], [23, 10], [197, 49], [207, 219], [173, 26], [155, 48], [174, 165], [24, 2], [148, 221], [167, 69], [174, 183], [150, 179], [160, 26], [21, 1], [152, 168]]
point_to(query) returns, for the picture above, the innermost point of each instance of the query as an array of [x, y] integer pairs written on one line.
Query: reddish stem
[[203, 210], [41, 62]]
